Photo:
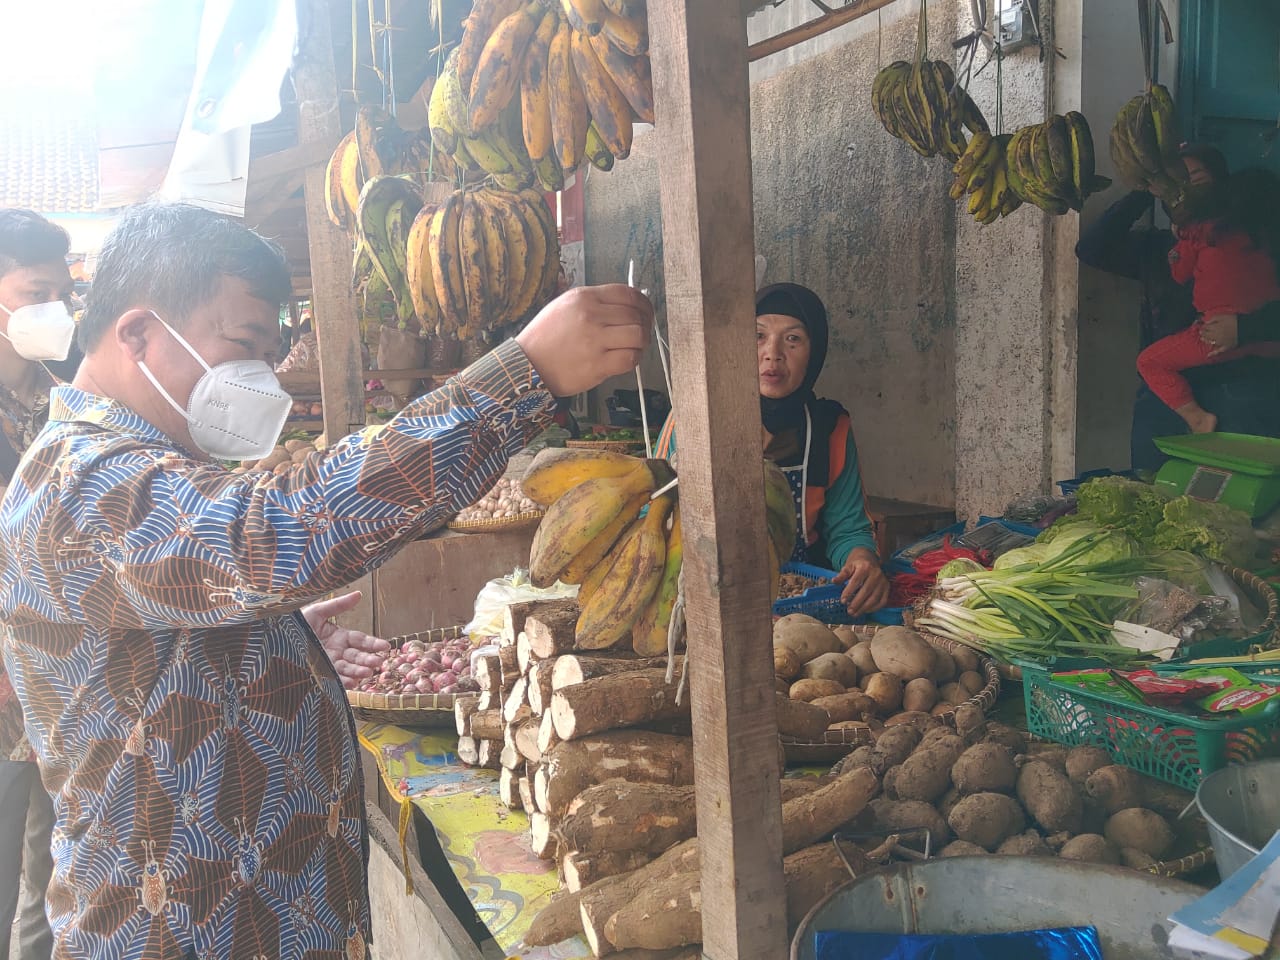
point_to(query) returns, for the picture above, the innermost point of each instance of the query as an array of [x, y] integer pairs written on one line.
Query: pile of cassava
[[865, 679]]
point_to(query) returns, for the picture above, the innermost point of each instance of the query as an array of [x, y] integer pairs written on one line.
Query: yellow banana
[[587, 16], [627, 8], [594, 553], [350, 180], [475, 264], [498, 70], [633, 75], [334, 202], [422, 285], [535, 91], [551, 264], [557, 470], [497, 277], [446, 262], [578, 517], [515, 231], [569, 115], [609, 111], [597, 151], [649, 635], [476, 29], [628, 34], [535, 258], [630, 584]]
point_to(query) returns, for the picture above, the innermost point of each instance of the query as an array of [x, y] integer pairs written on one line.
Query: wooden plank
[[289, 160], [814, 28], [704, 173], [333, 304]]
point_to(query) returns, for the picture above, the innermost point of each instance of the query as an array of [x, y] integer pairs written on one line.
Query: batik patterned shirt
[[194, 735]]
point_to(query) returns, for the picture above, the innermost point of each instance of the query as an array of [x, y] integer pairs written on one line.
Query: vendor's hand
[[866, 587], [355, 655], [1221, 332], [587, 335]]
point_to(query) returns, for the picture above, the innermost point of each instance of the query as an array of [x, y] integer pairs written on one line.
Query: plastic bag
[[497, 595], [1066, 943]]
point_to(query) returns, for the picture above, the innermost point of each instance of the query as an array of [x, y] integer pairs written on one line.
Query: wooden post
[[333, 305], [703, 109]]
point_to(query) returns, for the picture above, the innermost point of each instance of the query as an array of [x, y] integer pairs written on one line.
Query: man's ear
[[134, 330]]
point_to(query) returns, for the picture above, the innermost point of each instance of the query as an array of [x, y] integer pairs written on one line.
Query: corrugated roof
[[48, 153]]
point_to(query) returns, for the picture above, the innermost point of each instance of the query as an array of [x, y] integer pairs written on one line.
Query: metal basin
[[1241, 804], [1002, 895]]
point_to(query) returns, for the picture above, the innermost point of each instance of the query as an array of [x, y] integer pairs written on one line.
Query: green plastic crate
[[1169, 746]]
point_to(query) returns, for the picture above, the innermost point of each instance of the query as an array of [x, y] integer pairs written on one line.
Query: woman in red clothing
[[1232, 263]]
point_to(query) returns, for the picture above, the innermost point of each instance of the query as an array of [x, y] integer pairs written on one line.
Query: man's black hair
[[172, 258], [1210, 157], [28, 239]]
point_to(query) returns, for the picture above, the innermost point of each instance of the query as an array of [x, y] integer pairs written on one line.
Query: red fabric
[[1162, 362], [1231, 274]]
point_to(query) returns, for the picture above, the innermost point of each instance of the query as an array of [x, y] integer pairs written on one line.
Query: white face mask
[[236, 410], [41, 331]]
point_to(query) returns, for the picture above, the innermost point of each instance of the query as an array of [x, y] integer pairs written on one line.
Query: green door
[[1230, 78]]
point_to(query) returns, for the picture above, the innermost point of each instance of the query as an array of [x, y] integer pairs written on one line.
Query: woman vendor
[[812, 441]]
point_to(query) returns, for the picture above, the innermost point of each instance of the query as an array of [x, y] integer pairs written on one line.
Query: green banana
[[376, 200], [1058, 143]]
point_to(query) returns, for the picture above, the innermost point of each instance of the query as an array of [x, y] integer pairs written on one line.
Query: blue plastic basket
[[821, 602]]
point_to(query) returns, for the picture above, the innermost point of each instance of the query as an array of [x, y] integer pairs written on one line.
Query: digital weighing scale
[[1232, 468]]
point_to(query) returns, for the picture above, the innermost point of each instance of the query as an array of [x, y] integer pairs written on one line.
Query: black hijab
[[788, 413]]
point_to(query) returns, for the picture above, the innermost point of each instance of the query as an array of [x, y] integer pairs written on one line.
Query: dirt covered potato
[[987, 819], [985, 768], [902, 652], [808, 637]]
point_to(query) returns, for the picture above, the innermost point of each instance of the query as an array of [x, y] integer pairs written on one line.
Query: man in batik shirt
[[33, 272], [196, 738]]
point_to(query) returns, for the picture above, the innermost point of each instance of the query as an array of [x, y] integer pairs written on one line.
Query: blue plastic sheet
[[1066, 943]]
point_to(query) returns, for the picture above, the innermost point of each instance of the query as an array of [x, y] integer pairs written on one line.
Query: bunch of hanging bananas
[[605, 531], [1144, 145], [983, 173], [384, 213], [377, 147], [1050, 164], [563, 84], [921, 104], [480, 260]]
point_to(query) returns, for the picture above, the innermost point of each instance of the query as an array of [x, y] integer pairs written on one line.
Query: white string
[[664, 352], [644, 407]]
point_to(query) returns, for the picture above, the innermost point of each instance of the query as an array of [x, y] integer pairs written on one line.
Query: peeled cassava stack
[[985, 768], [809, 638], [1049, 797], [987, 819], [902, 652], [1142, 830]]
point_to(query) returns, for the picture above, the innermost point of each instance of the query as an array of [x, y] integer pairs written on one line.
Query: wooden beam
[[260, 206], [333, 305], [814, 28], [702, 97], [290, 160]]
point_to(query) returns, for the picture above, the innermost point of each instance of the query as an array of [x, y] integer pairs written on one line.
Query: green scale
[[1232, 468]]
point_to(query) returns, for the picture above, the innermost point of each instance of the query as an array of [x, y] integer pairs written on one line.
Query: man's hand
[[355, 655], [866, 588], [1221, 332], [587, 335]]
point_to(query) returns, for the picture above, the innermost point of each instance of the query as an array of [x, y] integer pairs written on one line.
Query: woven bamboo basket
[[629, 447], [519, 522], [408, 709], [839, 743]]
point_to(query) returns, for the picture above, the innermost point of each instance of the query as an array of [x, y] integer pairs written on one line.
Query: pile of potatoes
[[893, 677], [504, 501], [285, 455], [981, 788]]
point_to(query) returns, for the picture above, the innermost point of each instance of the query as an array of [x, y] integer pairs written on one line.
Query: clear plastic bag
[[497, 595]]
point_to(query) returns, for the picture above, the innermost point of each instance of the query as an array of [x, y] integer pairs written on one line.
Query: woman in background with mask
[[811, 439]]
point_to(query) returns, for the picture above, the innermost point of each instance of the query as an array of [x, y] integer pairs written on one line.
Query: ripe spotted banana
[[649, 634], [446, 262], [418, 276], [633, 578], [535, 91], [557, 470], [633, 75], [609, 111], [569, 114], [497, 72]]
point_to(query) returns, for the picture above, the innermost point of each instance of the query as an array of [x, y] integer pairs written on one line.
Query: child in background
[[1231, 261]]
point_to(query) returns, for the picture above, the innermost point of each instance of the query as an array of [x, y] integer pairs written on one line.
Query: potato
[[1004, 734], [947, 802], [952, 694], [293, 446], [919, 694], [886, 690], [282, 468], [944, 667], [1136, 859], [859, 758], [786, 663], [1049, 797], [273, 459], [942, 709], [806, 636], [985, 768], [892, 816], [302, 454], [893, 747], [810, 690], [962, 848], [1114, 788], [909, 718], [926, 774], [1028, 844], [1082, 761], [970, 722], [1050, 753], [1089, 848], [971, 682], [847, 706], [860, 654], [987, 819], [831, 666], [1141, 829], [846, 635], [889, 783], [966, 658], [936, 732], [902, 652]]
